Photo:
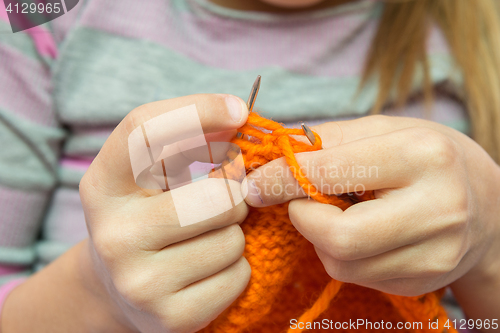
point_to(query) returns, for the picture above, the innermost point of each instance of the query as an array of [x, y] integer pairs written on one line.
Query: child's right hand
[[152, 274]]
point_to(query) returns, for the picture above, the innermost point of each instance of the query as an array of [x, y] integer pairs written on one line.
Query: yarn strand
[[321, 304], [272, 247]]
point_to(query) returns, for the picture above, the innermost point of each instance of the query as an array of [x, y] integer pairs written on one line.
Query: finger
[[340, 132], [433, 260], [219, 290], [335, 133], [178, 168], [364, 230], [161, 123], [384, 161], [396, 264], [173, 216], [412, 261], [181, 154], [175, 163], [199, 257]]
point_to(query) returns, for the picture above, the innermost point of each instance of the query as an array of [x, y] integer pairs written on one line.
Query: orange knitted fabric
[[288, 281]]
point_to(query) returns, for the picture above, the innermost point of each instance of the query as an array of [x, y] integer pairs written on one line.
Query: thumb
[[138, 141]]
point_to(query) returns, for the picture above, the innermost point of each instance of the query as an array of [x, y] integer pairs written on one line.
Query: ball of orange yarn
[[288, 281]]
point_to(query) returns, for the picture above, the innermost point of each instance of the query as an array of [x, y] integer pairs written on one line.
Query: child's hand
[[436, 216], [154, 275]]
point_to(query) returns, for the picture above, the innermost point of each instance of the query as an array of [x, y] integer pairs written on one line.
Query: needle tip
[[308, 133], [253, 93]]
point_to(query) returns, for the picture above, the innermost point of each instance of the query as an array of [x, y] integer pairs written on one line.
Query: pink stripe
[[20, 218], [238, 44], [44, 41], [246, 44], [7, 288], [73, 163], [6, 270], [26, 83], [3, 12], [42, 38]]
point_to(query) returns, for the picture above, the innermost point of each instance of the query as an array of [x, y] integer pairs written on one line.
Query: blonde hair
[[472, 30]]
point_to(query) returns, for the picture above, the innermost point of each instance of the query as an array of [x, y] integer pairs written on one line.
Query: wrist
[[478, 291], [58, 299], [104, 314]]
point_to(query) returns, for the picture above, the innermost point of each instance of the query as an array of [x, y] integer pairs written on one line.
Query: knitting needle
[[253, 94], [252, 98], [309, 134], [312, 139]]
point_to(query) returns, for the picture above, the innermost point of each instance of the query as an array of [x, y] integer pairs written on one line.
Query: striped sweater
[[66, 84]]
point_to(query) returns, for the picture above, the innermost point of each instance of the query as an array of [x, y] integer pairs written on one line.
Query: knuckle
[[454, 256], [105, 246], [344, 247], [112, 245], [432, 147], [459, 215], [456, 212], [378, 120], [135, 287], [451, 262], [439, 268], [88, 189], [84, 187], [334, 268], [234, 239], [447, 262], [135, 118]]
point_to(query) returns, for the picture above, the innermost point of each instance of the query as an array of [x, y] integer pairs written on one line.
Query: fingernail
[[235, 108], [251, 192]]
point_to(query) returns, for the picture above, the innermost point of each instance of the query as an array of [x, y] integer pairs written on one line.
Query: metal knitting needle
[[309, 134], [252, 98], [312, 139], [253, 94]]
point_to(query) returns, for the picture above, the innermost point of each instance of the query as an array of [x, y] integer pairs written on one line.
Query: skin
[[139, 270], [435, 222]]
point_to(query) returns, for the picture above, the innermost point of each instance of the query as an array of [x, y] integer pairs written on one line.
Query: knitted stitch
[[287, 275]]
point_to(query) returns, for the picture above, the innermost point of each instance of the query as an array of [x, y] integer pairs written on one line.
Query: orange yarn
[[288, 281]]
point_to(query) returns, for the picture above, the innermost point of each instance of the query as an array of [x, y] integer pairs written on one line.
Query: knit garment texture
[[288, 280], [66, 85]]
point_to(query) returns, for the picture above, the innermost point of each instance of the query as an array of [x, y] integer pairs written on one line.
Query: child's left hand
[[436, 213]]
